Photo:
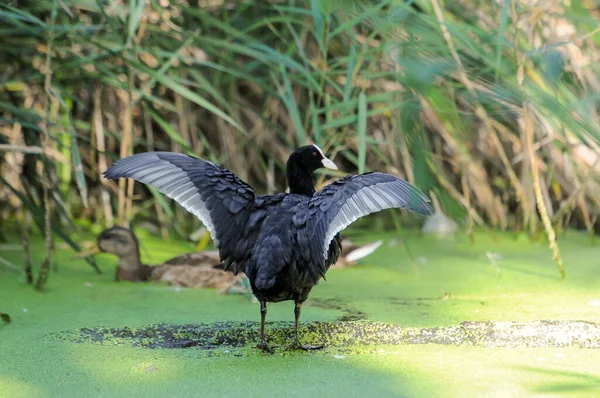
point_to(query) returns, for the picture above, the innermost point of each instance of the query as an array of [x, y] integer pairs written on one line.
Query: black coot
[[286, 242]]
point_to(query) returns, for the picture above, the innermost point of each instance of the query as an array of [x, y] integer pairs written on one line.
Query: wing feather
[[212, 193], [342, 202]]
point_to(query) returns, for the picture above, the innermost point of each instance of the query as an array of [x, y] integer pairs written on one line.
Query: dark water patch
[[350, 313], [417, 301], [346, 335]]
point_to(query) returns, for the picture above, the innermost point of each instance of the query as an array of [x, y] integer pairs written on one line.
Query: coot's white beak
[[329, 164]]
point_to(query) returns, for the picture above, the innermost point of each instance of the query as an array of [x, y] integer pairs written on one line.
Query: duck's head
[[300, 166], [118, 241]]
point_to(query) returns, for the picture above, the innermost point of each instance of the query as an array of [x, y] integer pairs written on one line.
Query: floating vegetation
[[344, 335], [5, 317]]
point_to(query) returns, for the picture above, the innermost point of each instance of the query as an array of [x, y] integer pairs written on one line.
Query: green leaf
[[185, 92], [20, 15], [21, 113], [362, 132], [166, 65], [350, 73], [318, 21], [38, 217], [136, 8], [369, 12], [316, 125], [500, 35], [77, 163], [287, 96], [175, 136]]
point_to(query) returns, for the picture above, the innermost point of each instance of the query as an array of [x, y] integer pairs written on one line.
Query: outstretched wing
[[212, 193], [344, 201]]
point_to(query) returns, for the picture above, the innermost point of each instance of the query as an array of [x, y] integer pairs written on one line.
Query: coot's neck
[[299, 180]]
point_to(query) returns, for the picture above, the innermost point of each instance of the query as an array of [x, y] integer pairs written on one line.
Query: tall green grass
[[433, 92]]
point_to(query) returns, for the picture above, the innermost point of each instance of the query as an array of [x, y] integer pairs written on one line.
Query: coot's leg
[[262, 343], [297, 309]]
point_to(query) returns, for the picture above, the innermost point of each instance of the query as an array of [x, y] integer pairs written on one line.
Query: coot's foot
[[264, 346], [307, 347]]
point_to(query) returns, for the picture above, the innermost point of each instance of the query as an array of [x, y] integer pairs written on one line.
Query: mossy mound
[[340, 335]]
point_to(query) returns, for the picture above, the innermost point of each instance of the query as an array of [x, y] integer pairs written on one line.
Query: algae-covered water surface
[[452, 319]]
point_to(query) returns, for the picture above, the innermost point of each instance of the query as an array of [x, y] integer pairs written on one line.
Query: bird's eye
[[314, 154]]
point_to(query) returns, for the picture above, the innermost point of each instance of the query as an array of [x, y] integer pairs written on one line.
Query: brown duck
[[200, 269]]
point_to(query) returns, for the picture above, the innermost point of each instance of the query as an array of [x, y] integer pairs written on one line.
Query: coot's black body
[[286, 242], [277, 269]]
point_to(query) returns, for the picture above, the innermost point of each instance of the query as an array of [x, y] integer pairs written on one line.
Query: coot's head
[[300, 166], [118, 241], [309, 158]]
